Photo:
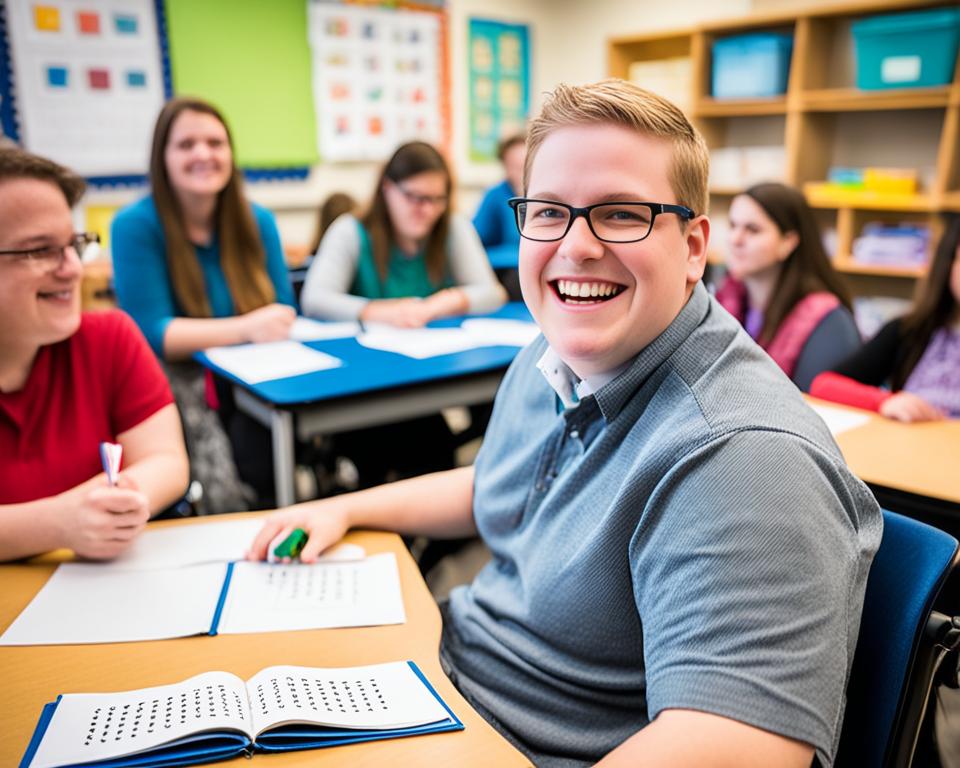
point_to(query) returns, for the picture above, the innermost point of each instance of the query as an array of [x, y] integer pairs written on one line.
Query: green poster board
[[499, 56], [252, 60]]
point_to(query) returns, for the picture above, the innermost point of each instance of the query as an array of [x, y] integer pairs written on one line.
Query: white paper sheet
[[216, 541], [277, 598], [419, 343], [495, 332], [379, 696], [98, 726], [255, 363], [85, 603], [839, 419], [306, 329]]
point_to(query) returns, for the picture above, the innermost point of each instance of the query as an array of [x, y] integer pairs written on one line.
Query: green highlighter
[[291, 546]]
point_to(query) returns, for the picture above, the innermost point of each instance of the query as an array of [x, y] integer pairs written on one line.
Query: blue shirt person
[[679, 553]]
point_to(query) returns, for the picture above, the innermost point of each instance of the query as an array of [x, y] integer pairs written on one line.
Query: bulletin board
[[499, 60], [378, 78], [95, 67], [250, 58]]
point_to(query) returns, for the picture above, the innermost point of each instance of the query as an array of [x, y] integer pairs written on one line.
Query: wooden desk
[[33, 676], [917, 458], [911, 467]]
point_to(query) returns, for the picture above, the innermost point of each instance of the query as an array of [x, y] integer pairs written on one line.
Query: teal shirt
[[142, 277], [406, 275]]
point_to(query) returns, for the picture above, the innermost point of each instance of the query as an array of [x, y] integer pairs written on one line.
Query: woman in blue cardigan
[[197, 265]]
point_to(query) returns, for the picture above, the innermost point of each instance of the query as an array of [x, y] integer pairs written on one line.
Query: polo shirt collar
[[615, 395]]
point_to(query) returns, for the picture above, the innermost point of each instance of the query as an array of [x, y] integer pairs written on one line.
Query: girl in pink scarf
[[781, 285]]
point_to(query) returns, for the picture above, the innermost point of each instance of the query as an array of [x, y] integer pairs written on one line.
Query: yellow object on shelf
[[826, 194], [894, 181]]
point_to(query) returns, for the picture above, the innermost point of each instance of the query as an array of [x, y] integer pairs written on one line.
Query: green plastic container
[[907, 50]]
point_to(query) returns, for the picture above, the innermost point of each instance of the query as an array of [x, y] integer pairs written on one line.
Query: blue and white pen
[[110, 454]]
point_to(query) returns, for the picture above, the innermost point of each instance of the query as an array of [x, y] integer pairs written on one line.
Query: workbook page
[[266, 597], [377, 697], [217, 541], [84, 603], [97, 726]]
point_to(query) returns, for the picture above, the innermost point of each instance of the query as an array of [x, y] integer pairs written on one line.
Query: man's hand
[[325, 522]]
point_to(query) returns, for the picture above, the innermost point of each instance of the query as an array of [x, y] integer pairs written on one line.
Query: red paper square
[[88, 22], [99, 79]]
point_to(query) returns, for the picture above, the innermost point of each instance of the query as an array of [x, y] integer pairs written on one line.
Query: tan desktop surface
[[918, 458], [33, 676]]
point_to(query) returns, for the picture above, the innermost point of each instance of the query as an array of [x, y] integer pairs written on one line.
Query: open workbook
[[216, 716]]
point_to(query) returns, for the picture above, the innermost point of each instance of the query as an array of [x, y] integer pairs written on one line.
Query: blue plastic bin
[[907, 50], [751, 66]]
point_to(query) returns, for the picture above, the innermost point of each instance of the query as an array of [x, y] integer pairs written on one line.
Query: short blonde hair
[[617, 102]]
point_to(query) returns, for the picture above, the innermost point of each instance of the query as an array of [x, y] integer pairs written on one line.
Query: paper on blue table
[[306, 329], [422, 343], [254, 363]]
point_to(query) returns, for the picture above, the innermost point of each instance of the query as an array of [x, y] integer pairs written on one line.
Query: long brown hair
[[242, 256], [807, 269], [934, 308], [409, 160]]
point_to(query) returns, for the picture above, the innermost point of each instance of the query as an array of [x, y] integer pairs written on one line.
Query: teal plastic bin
[[751, 66], [907, 50]]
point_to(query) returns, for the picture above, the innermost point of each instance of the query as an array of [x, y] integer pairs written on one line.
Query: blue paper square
[[136, 78], [125, 24], [57, 77]]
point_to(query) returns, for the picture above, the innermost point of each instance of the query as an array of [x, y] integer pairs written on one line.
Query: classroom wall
[[568, 43]]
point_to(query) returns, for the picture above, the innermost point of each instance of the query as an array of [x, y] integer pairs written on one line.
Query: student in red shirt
[[68, 381]]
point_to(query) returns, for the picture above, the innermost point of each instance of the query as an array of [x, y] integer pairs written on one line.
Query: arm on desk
[[683, 737], [439, 505], [93, 519], [186, 335]]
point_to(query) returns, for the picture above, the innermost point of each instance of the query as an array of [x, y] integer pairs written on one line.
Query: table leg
[[281, 432]]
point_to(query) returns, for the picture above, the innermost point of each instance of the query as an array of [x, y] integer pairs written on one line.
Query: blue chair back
[[893, 666]]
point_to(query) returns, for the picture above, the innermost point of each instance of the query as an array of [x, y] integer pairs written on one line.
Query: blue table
[[371, 387]]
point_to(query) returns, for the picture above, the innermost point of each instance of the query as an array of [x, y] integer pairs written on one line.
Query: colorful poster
[[377, 79], [499, 57], [88, 81]]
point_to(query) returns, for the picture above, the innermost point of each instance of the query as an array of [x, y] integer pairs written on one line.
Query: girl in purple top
[[917, 356]]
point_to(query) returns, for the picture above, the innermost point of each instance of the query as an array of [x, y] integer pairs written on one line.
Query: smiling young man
[[679, 551], [68, 381]]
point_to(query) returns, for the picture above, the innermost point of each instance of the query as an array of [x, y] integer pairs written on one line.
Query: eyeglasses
[[417, 199], [50, 257], [628, 222]]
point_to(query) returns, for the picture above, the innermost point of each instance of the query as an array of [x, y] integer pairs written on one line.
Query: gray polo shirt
[[686, 537]]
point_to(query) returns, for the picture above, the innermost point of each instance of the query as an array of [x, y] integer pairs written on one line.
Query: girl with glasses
[[70, 380], [408, 259], [197, 265], [781, 286], [910, 370], [405, 261]]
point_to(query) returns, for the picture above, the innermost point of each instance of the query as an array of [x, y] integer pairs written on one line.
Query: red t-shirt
[[95, 385]]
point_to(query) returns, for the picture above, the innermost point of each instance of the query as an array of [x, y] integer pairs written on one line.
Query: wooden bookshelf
[[821, 116]]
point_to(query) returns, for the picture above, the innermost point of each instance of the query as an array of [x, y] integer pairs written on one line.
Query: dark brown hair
[[336, 204], [934, 308], [409, 160], [16, 163], [242, 256], [807, 269], [508, 142]]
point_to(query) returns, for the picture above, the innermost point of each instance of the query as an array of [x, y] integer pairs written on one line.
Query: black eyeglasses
[[50, 257], [627, 222], [418, 199]]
